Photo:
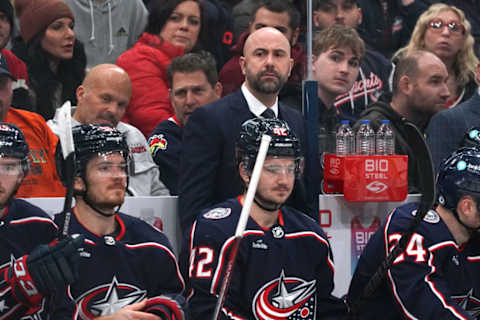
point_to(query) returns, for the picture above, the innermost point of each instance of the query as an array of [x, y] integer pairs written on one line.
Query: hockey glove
[[167, 307], [46, 270]]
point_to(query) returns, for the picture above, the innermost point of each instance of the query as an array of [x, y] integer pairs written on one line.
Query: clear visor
[[111, 165], [12, 166], [293, 169]]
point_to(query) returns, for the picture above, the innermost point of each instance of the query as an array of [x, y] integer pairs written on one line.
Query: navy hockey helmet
[[14, 145], [471, 138], [93, 140], [284, 143], [459, 175]]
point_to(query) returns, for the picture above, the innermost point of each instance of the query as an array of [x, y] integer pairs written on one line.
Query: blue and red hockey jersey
[[118, 270], [22, 228], [283, 272], [433, 278]]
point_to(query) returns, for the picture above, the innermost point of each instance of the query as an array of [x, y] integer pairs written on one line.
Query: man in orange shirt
[[43, 179]]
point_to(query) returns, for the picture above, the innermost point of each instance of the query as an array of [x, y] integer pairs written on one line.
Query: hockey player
[[32, 276], [284, 267], [128, 269], [436, 277]]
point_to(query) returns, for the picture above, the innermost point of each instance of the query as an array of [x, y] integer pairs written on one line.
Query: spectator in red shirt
[[16, 66], [173, 29]]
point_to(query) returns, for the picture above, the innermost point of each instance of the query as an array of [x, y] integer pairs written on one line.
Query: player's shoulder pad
[[409, 211], [25, 209], [430, 217], [222, 217], [141, 231], [297, 221], [432, 227]]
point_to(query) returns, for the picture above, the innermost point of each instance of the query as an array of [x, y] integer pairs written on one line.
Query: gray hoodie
[[145, 181], [107, 28]]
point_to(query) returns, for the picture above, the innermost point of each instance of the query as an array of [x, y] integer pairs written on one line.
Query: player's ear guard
[[45, 271], [471, 138], [167, 307]]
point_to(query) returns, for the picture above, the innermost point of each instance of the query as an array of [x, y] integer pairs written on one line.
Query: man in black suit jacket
[[448, 127], [208, 173]]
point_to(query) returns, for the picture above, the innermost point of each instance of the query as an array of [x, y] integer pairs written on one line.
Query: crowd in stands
[[178, 78]]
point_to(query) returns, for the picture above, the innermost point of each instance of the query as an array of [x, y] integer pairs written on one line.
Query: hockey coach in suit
[[207, 170]]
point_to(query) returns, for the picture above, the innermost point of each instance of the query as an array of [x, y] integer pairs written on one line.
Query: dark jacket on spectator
[[448, 127], [371, 83], [45, 84], [388, 32]]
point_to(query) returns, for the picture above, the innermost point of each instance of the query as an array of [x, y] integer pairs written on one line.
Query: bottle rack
[[366, 178]]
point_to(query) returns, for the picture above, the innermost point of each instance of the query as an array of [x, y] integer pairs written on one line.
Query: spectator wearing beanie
[[16, 66], [55, 59]]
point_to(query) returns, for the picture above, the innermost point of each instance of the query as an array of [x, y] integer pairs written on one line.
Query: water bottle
[[345, 139], [365, 139], [385, 140]]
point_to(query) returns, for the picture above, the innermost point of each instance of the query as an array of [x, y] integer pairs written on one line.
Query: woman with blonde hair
[[445, 31]]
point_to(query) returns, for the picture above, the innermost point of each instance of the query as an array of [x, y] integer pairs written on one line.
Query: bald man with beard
[[103, 98], [208, 172]]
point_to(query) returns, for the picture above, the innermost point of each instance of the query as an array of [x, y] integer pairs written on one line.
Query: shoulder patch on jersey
[[157, 142], [431, 216], [217, 213]]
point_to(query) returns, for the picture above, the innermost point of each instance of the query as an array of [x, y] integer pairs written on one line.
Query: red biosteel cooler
[[366, 178]]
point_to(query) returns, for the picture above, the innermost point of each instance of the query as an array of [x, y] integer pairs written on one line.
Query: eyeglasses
[[275, 169], [454, 27]]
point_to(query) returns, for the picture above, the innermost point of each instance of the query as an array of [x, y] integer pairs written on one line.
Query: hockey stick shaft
[[425, 168], [242, 222], [68, 151]]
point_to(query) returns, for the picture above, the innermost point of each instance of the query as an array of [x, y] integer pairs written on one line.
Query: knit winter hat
[[36, 15], [7, 8]]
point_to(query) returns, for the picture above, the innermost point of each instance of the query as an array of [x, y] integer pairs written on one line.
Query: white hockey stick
[[242, 221], [68, 149]]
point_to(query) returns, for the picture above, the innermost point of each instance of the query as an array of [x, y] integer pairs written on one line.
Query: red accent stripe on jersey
[[231, 315], [432, 285], [90, 242], [34, 219], [122, 227], [7, 288], [397, 298], [385, 233], [222, 257], [318, 237], [192, 232], [474, 259], [12, 311], [84, 226], [441, 245], [280, 218], [166, 249]]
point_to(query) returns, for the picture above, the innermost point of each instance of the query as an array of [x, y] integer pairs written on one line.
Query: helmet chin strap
[[95, 208], [274, 208]]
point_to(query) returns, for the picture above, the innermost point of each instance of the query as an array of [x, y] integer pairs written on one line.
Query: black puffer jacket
[[44, 83]]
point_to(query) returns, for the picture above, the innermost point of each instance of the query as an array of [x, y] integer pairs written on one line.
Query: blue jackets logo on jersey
[[286, 298], [469, 303], [107, 299], [217, 213]]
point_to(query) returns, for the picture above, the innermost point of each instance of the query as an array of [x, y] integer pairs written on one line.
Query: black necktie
[[268, 114]]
